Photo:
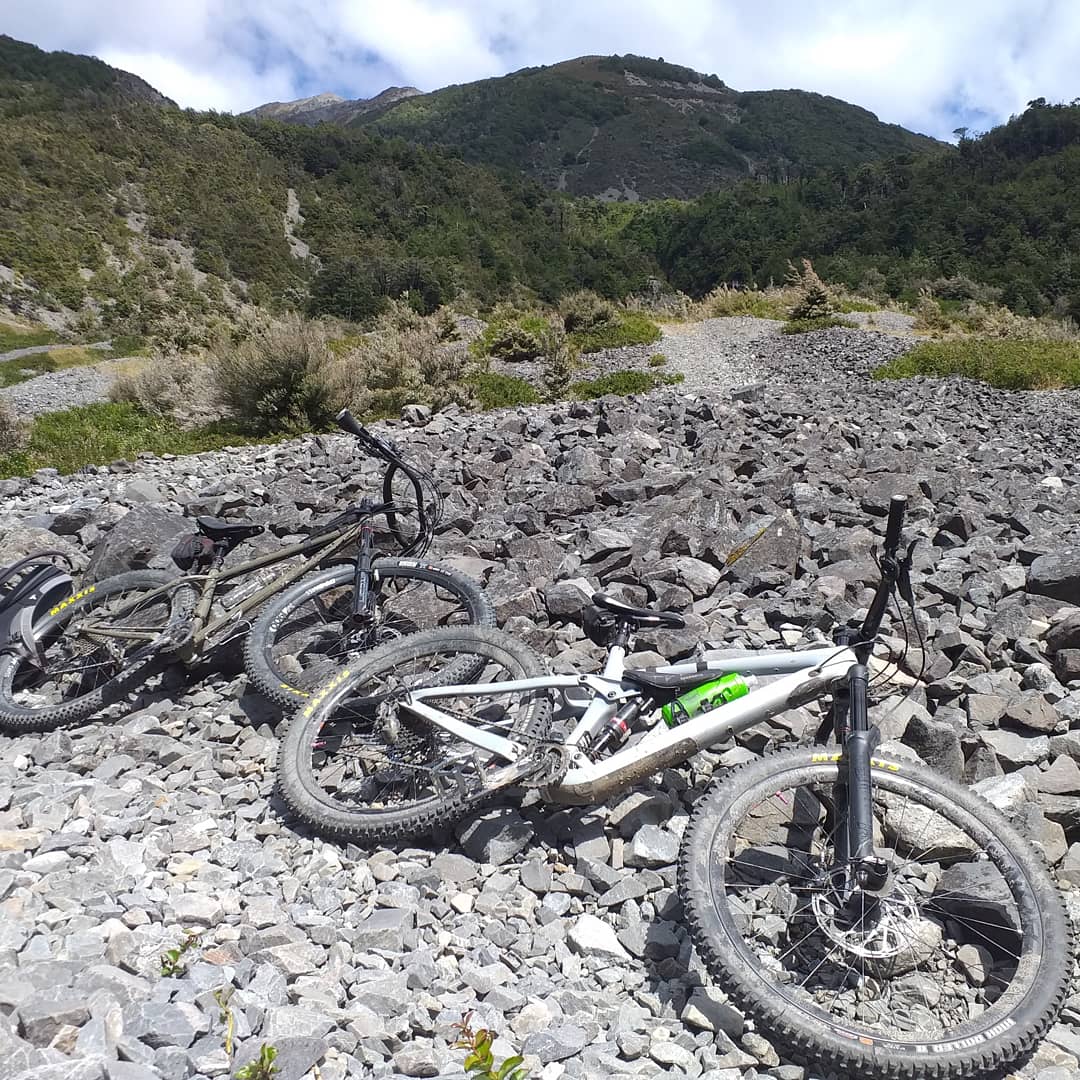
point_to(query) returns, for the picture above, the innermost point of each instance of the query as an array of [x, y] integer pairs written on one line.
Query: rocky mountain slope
[[558, 929], [69, 76], [629, 127], [329, 108]]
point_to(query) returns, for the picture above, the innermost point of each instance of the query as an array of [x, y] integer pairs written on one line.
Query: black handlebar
[[891, 571], [422, 484], [349, 423], [381, 447], [897, 506]]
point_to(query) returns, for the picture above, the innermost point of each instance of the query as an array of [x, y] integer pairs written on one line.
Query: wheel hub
[[866, 924]]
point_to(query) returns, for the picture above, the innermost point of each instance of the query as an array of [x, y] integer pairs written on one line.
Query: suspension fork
[[870, 870], [363, 595], [853, 794]]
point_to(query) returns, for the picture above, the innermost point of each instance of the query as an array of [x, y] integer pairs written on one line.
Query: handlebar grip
[[348, 422], [897, 506]]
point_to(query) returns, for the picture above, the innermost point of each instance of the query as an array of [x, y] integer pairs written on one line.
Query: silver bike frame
[[805, 676]]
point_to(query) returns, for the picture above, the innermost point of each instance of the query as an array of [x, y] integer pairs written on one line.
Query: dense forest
[[1001, 209], [116, 204]]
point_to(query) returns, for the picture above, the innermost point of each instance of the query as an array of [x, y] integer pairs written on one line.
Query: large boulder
[[1057, 575], [21, 540], [1065, 634], [143, 538]]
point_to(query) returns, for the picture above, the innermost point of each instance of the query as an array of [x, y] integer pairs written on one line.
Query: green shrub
[[627, 328], [806, 326], [622, 383], [177, 386], [495, 391], [657, 359], [480, 1062], [402, 361], [584, 310], [511, 335], [1010, 365], [261, 1068], [275, 379]]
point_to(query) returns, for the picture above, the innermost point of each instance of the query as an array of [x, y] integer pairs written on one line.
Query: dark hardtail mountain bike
[[304, 609]]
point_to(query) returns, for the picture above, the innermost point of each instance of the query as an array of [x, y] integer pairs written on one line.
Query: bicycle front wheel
[[302, 637], [957, 966], [85, 643], [355, 766]]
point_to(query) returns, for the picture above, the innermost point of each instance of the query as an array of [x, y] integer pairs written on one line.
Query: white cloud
[[920, 64]]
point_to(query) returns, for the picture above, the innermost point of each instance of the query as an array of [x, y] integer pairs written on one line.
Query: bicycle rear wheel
[[955, 968], [354, 766], [301, 637], [86, 643]]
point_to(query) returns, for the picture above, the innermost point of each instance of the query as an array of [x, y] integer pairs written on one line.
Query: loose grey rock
[[496, 836]]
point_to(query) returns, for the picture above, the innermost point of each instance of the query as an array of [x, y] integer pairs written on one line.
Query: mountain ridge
[[329, 107], [630, 127]]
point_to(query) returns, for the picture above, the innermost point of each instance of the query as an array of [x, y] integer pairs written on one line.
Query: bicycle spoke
[[892, 962]]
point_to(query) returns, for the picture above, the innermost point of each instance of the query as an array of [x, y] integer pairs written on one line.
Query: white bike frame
[[806, 676]]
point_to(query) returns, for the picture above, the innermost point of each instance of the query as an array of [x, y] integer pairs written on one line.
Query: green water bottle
[[710, 695]]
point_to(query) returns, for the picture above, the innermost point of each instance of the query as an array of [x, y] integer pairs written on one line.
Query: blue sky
[[925, 64]]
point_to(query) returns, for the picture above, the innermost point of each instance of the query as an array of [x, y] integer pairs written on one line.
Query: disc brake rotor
[[883, 927]]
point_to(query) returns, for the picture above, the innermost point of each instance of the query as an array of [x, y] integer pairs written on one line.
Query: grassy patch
[[806, 326], [1010, 365], [100, 433], [627, 328], [495, 391], [844, 304], [623, 382], [12, 338], [28, 367]]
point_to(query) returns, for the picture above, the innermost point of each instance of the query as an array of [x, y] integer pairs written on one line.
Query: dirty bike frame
[[840, 671]]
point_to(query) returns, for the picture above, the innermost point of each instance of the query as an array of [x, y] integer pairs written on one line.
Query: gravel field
[[62, 389]]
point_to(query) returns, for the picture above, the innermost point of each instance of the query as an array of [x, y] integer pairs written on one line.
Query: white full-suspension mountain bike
[[869, 914]]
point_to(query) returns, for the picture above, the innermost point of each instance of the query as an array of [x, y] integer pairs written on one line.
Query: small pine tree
[[814, 301]]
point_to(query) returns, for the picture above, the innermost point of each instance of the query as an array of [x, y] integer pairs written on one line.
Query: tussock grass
[[1006, 363]]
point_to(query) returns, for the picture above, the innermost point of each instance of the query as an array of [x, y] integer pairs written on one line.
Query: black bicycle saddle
[[220, 529], [671, 620]]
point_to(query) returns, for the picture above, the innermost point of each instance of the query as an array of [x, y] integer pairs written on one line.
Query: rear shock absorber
[[617, 730]]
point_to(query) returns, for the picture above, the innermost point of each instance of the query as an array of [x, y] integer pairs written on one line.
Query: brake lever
[[903, 577]]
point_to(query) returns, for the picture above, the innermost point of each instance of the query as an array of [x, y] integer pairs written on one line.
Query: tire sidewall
[[806, 1035], [260, 640], [84, 598]]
